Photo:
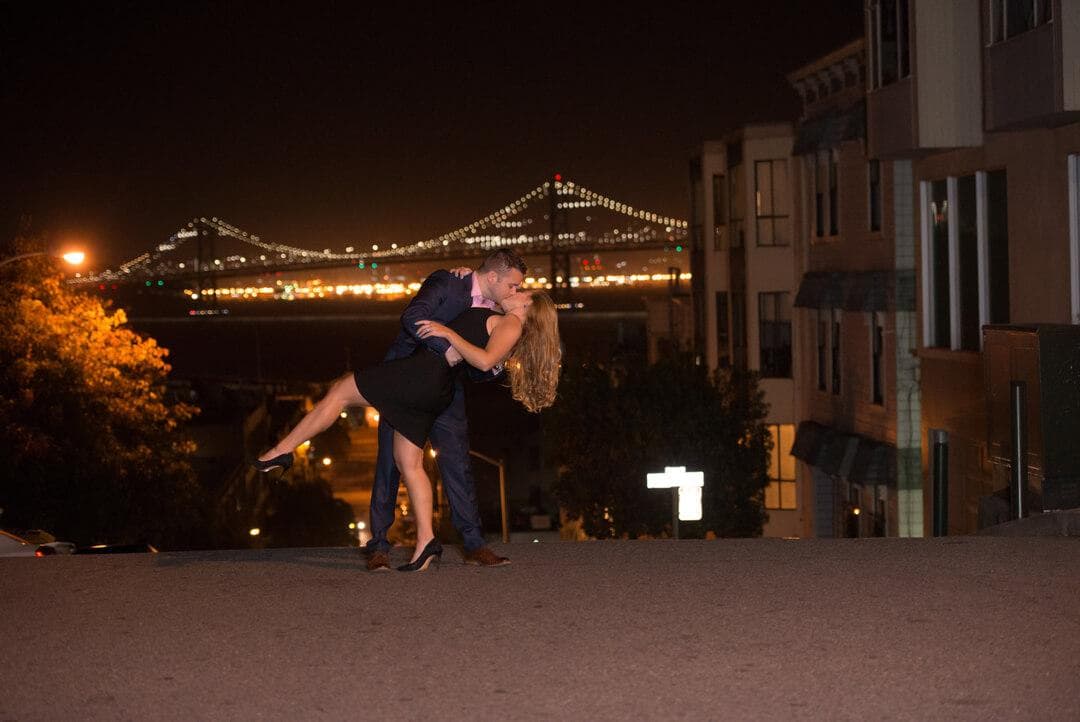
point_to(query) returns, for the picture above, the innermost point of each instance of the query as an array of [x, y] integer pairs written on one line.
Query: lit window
[[780, 493]]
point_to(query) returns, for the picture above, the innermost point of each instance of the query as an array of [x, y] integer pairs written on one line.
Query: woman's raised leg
[[343, 393], [410, 462]]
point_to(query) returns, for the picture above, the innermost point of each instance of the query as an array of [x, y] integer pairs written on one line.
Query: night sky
[[322, 125]]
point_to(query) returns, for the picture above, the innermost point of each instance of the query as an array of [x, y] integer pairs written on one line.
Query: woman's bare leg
[[410, 462], [342, 393]]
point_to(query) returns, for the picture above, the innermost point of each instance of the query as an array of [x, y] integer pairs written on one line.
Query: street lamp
[[501, 465], [74, 258], [502, 489]]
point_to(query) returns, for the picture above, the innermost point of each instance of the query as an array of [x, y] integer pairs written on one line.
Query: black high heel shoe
[[432, 552], [282, 461]]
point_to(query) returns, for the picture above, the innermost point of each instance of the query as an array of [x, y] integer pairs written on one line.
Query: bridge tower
[[560, 260], [206, 277]]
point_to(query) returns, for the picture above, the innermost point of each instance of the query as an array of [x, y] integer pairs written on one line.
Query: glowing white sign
[[689, 484]]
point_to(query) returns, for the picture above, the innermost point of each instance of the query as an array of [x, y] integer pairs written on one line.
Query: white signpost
[[686, 489]]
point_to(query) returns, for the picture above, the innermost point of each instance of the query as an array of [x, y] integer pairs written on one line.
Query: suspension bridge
[[557, 218]]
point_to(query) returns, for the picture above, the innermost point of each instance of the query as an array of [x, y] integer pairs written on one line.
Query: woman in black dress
[[411, 392]]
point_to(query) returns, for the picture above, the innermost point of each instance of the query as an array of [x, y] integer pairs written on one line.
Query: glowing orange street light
[[74, 258]]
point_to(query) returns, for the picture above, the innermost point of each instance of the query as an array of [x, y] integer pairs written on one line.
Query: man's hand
[[453, 357], [461, 271]]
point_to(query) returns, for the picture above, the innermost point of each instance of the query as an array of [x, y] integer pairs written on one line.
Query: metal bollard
[[1018, 474], [939, 439]]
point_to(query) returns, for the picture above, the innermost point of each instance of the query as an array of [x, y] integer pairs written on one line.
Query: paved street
[[962, 628]]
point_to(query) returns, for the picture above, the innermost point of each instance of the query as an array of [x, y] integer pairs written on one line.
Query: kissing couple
[[461, 323]]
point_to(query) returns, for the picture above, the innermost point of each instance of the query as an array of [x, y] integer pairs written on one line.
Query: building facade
[[858, 395], [930, 248], [993, 93], [744, 282], [961, 200]]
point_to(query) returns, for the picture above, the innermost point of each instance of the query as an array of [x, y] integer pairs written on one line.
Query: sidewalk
[[969, 628]]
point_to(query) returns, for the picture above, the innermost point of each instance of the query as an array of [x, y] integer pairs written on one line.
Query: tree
[[610, 427], [90, 445]]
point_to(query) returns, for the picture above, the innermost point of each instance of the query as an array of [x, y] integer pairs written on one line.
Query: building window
[[967, 253], [890, 57], [780, 493], [723, 354], [774, 334], [822, 343], [1074, 235], [873, 173], [1009, 18], [720, 211], [834, 195], [877, 345], [834, 340], [771, 194], [938, 265], [966, 244]]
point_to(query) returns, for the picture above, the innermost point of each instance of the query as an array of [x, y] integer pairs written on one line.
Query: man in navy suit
[[442, 298]]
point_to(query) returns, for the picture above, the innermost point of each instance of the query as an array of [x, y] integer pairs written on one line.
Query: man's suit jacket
[[442, 297]]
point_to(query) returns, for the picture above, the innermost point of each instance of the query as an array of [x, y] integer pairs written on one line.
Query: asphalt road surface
[[968, 628]]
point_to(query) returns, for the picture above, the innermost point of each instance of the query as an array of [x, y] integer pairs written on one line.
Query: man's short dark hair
[[501, 261]]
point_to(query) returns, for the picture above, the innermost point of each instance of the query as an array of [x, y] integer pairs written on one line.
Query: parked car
[[16, 546]]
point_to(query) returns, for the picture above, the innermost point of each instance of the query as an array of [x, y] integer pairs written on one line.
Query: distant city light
[[254, 531]]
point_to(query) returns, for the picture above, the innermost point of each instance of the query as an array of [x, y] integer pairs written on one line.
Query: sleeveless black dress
[[411, 392]]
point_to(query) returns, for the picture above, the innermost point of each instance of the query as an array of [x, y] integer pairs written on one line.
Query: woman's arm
[[500, 343]]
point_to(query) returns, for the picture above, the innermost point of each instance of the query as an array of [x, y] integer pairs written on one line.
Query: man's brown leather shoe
[[378, 562], [484, 557]]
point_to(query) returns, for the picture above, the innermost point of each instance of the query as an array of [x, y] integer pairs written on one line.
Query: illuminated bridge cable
[[502, 227]]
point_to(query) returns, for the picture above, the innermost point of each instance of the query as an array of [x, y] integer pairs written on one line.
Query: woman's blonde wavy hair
[[533, 365]]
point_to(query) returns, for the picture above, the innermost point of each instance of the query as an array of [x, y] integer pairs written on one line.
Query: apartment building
[[858, 395], [743, 285], [981, 99]]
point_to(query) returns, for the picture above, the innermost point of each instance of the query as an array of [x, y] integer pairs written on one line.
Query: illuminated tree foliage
[[611, 427], [89, 443]]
